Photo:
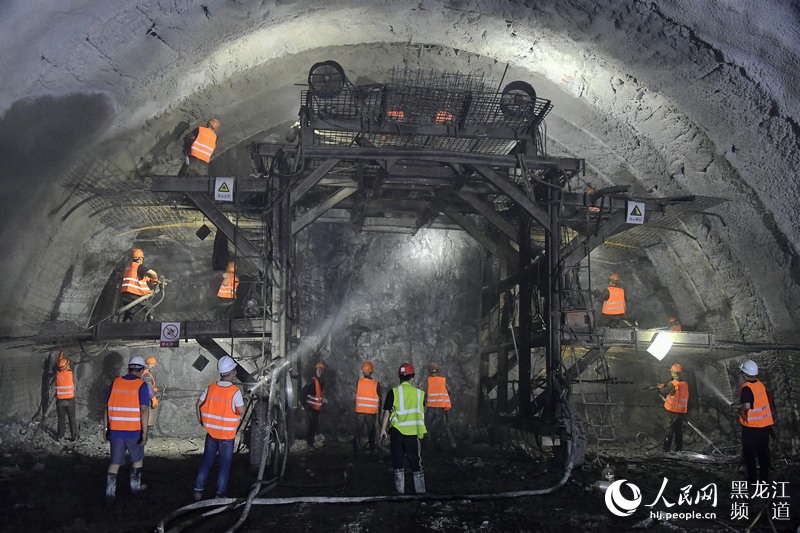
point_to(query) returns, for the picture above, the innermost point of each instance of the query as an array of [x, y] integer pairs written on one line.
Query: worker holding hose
[[676, 403]]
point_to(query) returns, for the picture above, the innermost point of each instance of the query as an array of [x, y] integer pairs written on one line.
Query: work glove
[[153, 403], [661, 386]]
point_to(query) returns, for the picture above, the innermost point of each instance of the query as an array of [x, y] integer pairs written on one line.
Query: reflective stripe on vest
[[315, 402], [124, 413], [204, 144], [228, 289], [760, 413], [408, 412], [65, 386], [367, 400], [219, 418], [131, 282], [679, 402], [615, 305], [438, 398]]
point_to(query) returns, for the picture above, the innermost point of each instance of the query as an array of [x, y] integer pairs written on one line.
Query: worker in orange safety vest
[[226, 294], [615, 303], [199, 146], [219, 410], [150, 379], [127, 414], [757, 419], [136, 280], [314, 394], [368, 401], [436, 407], [65, 397], [676, 403]]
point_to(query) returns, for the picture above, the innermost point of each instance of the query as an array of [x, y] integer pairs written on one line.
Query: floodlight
[[661, 345]]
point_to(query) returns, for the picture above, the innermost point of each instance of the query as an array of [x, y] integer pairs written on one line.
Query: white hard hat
[[226, 364], [749, 367], [137, 360]]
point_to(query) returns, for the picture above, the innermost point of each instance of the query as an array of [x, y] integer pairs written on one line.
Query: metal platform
[[240, 327]]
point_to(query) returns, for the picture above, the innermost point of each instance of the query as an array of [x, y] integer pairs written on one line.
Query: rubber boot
[[400, 481], [667, 443], [355, 447], [136, 481], [419, 482], [678, 442], [111, 487]]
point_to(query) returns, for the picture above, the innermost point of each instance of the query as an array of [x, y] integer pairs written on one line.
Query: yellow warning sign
[[635, 213], [223, 190]]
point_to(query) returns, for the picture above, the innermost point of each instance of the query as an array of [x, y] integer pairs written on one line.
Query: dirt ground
[[59, 487]]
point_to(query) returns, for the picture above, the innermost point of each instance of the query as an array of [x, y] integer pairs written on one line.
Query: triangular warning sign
[[224, 187], [635, 212]]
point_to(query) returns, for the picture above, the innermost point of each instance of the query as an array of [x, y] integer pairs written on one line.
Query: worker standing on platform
[[676, 403], [404, 413], [673, 324], [227, 292], [436, 408], [313, 394], [756, 417], [368, 401], [127, 414], [149, 378], [136, 280], [614, 301], [219, 410], [65, 398], [199, 146]]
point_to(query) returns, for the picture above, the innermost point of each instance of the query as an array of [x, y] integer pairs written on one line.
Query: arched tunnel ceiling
[[671, 98]]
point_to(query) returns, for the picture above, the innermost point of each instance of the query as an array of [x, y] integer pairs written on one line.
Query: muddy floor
[[59, 486]]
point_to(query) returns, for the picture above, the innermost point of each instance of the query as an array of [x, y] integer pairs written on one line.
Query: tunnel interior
[[413, 209]]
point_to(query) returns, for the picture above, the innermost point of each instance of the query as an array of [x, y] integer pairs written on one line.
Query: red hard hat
[[676, 368], [613, 277], [406, 370], [321, 365]]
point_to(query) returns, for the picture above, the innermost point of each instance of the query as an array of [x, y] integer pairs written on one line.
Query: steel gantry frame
[[435, 151]]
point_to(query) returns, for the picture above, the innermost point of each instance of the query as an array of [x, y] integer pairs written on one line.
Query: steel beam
[[234, 234], [513, 192], [578, 249], [490, 214], [238, 327], [312, 215], [465, 224], [312, 179]]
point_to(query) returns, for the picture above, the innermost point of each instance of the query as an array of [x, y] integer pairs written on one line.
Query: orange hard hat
[[613, 277], [321, 365], [367, 367], [676, 368], [137, 254], [672, 320], [213, 124], [151, 360], [63, 362]]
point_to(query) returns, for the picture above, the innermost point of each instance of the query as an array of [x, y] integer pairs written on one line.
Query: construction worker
[[136, 280], [404, 412], [673, 324], [368, 401], [756, 417], [676, 403], [614, 302], [438, 394], [199, 146], [314, 393], [65, 397], [149, 378], [219, 410], [127, 415], [227, 291]]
